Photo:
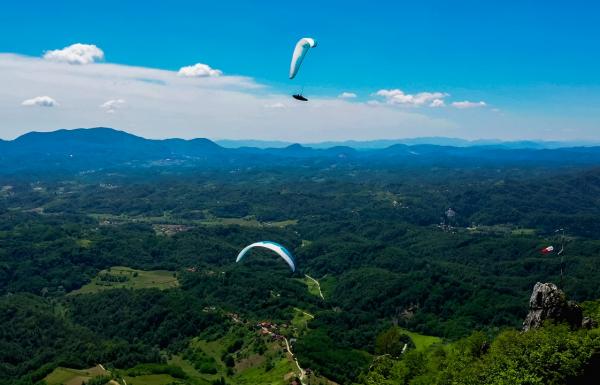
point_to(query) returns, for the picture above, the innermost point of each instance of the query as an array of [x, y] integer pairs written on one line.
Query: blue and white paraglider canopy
[[302, 47], [276, 247]]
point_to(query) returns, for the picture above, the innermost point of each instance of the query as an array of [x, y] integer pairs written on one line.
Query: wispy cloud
[[76, 54], [347, 95], [399, 97], [111, 106], [40, 101], [467, 104], [275, 105]]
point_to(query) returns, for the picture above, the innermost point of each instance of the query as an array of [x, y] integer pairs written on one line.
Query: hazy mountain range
[[434, 140], [100, 148]]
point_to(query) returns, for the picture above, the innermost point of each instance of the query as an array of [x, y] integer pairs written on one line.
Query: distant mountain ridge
[[383, 143], [100, 148]]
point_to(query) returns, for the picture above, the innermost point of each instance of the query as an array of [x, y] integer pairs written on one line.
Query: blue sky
[[535, 63]]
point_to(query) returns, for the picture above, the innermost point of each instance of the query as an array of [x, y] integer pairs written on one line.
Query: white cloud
[[161, 104], [275, 105], [199, 70], [76, 54], [40, 101], [468, 104], [111, 106], [397, 96], [437, 103], [347, 95]]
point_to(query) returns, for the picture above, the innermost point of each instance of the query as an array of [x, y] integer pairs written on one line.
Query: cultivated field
[[131, 279], [68, 376]]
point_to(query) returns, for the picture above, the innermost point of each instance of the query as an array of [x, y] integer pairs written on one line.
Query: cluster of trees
[[393, 342], [163, 319], [37, 335], [320, 352], [546, 356]]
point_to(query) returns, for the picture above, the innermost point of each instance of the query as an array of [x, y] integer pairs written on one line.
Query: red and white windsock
[[547, 250]]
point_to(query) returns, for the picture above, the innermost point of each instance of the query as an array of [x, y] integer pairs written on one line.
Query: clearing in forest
[[120, 277]]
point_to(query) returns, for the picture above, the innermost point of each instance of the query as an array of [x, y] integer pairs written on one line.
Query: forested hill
[[97, 148]]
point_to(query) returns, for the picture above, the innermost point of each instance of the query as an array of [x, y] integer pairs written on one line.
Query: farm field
[[132, 279], [68, 376]]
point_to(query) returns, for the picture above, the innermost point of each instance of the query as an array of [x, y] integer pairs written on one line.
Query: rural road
[[318, 285], [302, 372]]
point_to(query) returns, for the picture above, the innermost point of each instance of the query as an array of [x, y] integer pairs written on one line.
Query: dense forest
[[390, 256]]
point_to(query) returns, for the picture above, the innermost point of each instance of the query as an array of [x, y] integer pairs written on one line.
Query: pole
[[561, 272], [562, 258]]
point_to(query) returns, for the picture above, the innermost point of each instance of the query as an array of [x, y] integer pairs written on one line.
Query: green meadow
[[128, 278]]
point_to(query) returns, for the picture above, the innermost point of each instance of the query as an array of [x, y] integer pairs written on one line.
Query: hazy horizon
[[359, 144]]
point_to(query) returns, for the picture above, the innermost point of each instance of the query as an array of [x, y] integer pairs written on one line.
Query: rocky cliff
[[548, 302]]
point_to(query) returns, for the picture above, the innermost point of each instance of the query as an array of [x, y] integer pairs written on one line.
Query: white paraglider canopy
[[276, 247], [300, 51]]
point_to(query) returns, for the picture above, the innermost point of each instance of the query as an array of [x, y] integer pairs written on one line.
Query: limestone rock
[[548, 302]]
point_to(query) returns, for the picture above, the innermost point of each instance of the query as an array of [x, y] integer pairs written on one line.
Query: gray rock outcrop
[[548, 302]]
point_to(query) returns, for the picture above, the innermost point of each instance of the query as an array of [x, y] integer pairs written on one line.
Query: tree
[[392, 341]]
